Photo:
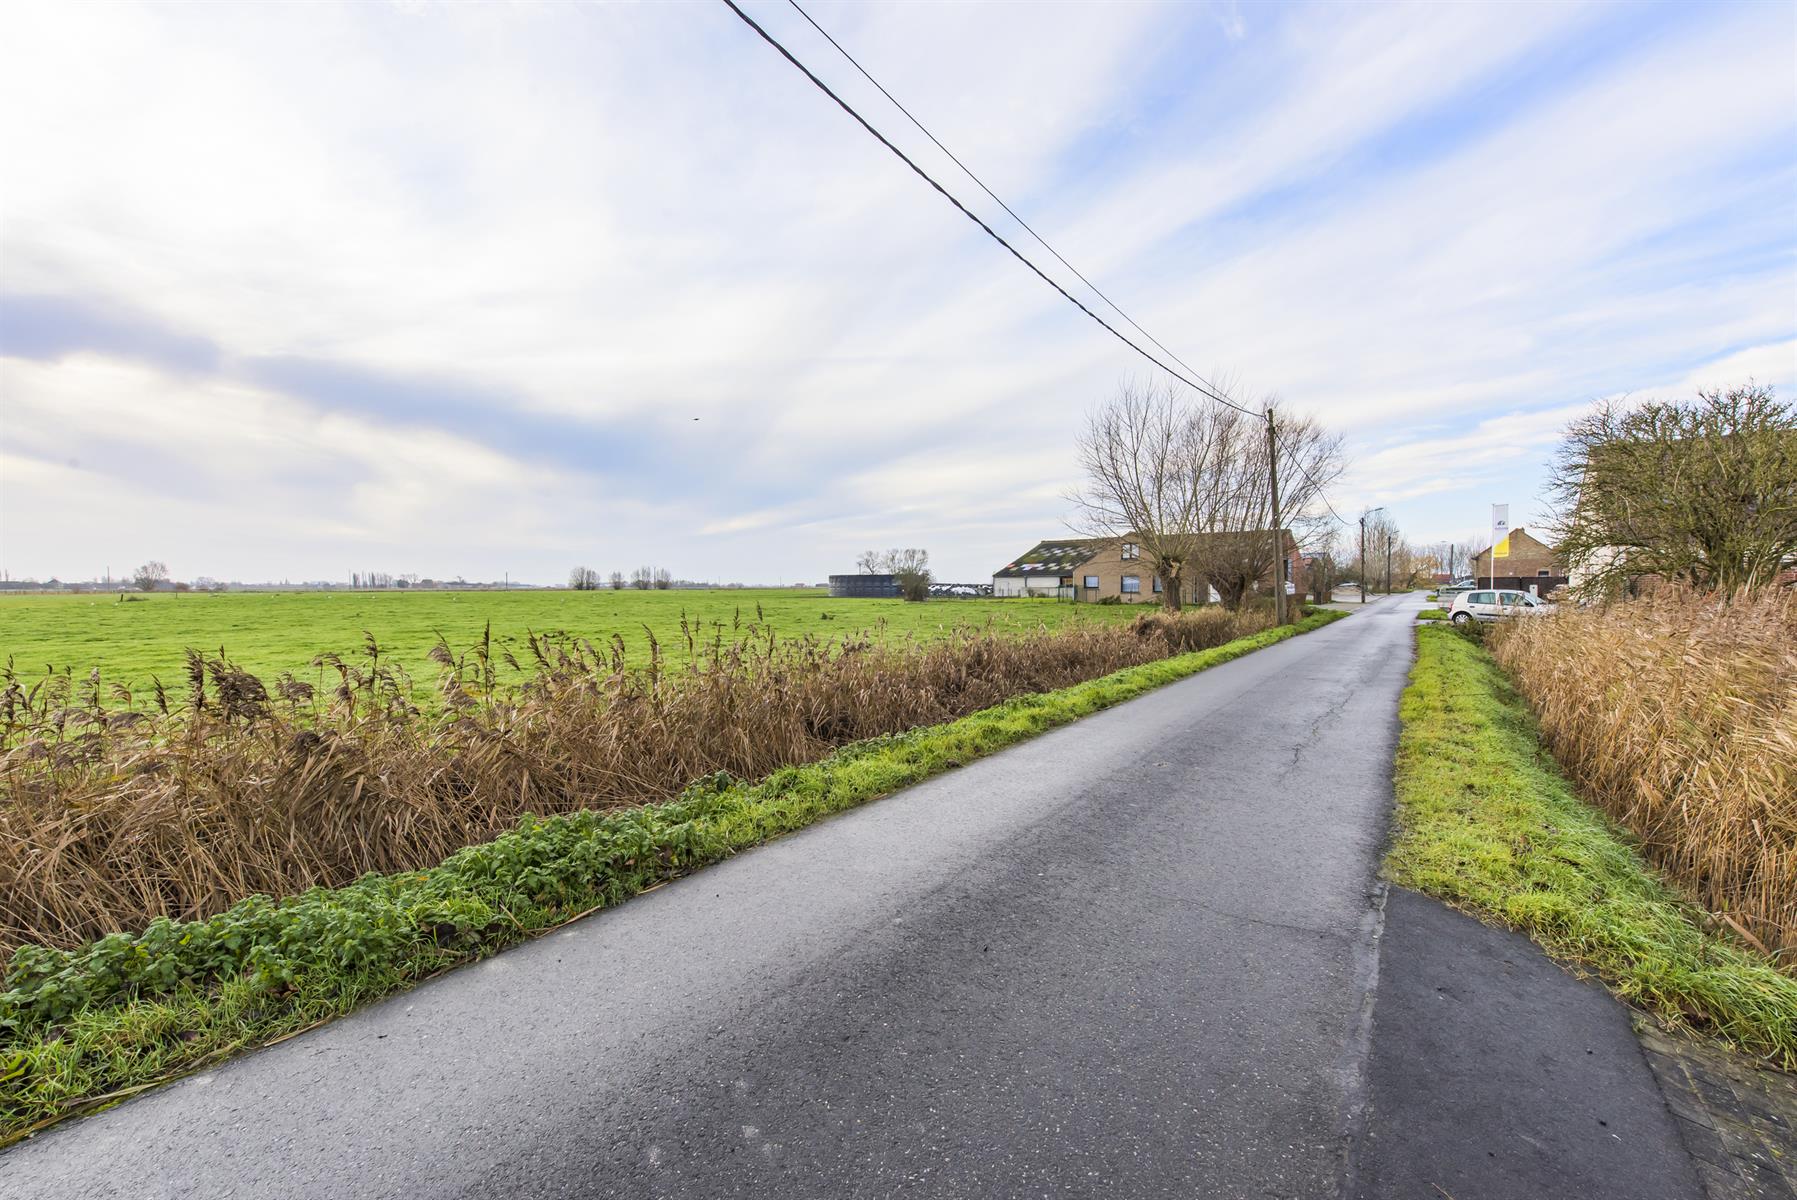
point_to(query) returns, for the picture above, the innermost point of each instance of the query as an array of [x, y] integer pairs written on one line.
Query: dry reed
[[1677, 714], [115, 809]]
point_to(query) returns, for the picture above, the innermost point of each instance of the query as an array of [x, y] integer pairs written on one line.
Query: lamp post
[[1363, 516]]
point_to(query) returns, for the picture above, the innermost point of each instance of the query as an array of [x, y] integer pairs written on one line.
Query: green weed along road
[[271, 632], [1488, 823]]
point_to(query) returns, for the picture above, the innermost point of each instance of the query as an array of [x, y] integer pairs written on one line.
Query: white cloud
[[599, 222]]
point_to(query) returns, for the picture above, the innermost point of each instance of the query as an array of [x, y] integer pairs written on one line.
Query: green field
[[272, 632]]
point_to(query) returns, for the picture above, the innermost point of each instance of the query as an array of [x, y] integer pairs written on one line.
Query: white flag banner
[[1500, 536]]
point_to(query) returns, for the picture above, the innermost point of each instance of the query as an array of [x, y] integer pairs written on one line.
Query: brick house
[[1091, 569], [1531, 566]]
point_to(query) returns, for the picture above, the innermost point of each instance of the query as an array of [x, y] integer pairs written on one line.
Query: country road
[[1145, 955]]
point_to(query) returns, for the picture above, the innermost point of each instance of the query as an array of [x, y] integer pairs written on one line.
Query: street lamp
[[1363, 516]]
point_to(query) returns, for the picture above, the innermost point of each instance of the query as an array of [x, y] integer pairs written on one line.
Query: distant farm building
[[844, 587]]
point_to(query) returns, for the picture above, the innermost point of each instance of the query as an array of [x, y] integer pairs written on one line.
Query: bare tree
[[617, 581], [869, 562], [642, 578], [1383, 550], [663, 578], [1324, 556], [911, 569], [1703, 492], [150, 576], [583, 579], [1188, 481], [1237, 503], [1147, 456]]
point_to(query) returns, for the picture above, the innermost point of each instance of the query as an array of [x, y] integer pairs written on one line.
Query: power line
[[968, 171], [969, 214], [1042, 241], [1197, 383]]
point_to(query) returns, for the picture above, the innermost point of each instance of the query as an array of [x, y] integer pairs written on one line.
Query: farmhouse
[[1092, 569], [1531, 566]]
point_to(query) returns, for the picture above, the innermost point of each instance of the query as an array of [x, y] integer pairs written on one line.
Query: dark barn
[[863, 586]]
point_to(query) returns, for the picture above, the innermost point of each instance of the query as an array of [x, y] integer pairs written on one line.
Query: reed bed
[[1677, 714], [119, 807]]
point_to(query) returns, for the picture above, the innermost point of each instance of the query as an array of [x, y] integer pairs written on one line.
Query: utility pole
[[1363, 517], [1278, 535], [1363, 573]]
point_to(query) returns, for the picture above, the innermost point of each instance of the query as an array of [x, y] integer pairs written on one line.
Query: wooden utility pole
[[1364, 584], [1363, 517], [1278, 536]]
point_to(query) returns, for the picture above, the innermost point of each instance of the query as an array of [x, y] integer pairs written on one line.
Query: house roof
[[1517, 536], [1060, 556], [1053, 557]]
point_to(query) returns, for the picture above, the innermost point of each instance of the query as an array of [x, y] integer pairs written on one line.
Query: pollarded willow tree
[[1702, 492]]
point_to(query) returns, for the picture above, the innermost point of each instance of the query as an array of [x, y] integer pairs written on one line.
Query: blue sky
[[287, 291]]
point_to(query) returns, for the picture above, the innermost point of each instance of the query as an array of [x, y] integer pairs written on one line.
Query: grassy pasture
[[271, 632]]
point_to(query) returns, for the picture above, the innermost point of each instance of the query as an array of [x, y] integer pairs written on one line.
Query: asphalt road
[[1134, 957], [1497, 1076]]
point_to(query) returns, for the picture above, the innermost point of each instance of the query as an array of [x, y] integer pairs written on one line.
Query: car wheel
[[1461, 618]]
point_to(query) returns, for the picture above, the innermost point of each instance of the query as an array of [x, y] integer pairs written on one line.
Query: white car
[[1490, 605]]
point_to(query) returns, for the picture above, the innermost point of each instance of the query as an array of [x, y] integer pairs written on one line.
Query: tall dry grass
[[115, 808], [1677, 713]]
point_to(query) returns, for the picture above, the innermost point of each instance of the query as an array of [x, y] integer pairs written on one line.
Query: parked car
[[1489, 605]]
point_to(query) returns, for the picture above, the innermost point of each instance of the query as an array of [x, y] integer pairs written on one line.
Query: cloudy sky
[[466, 289]]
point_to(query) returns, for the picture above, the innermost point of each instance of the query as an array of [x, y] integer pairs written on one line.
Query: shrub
[[1677, 714], [1198, 629], [114, 817], [914, 585]]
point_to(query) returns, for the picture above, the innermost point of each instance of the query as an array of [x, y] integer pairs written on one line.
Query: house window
[[1131, 551], [1543, 572], [1157, 585], [1132, 585], [1091, 583]]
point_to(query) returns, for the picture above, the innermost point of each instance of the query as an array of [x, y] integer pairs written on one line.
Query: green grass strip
[[87, 1027], [1487, 823], [1432, 614]]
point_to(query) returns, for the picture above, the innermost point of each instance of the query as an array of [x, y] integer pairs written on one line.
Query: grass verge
[[88, 1027], [1432, 614], [1487, 823]]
